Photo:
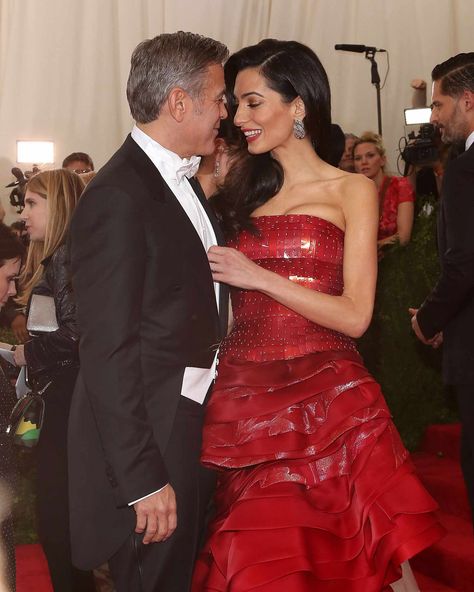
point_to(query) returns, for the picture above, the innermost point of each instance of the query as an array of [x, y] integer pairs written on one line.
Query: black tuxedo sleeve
[[108, 264], [456, 283]]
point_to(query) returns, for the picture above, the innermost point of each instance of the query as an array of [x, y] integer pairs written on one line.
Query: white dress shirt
[[173, 169], [470, 140]]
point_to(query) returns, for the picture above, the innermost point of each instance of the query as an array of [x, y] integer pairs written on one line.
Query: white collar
[[470, 140], [170, 163]]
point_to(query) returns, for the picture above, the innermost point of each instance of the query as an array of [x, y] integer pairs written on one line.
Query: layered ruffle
[[316, 490]]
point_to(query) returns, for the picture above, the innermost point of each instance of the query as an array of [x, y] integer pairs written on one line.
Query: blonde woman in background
[[396, 194], [52, 357]]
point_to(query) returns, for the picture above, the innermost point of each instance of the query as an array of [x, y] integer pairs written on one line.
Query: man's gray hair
[[165, 62]]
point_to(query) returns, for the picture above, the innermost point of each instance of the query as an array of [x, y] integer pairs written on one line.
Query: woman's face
[[8, 273], [368, 160], [35, 216], [264, 119]]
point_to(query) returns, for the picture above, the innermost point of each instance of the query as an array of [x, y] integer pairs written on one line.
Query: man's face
[[79, 166], [447, 115], [347, 161], [208, 110]]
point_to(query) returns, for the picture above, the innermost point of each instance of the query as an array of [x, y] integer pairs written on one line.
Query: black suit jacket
[[146, 309], [450, 306]]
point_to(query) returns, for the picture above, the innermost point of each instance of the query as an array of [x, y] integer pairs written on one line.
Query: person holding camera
[[51, 357], [396, 195], [447, 314]]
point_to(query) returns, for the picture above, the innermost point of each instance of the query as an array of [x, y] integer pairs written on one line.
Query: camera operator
[[448, 312]]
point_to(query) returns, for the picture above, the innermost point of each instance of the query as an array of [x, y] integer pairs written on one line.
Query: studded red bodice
[[307, 250]]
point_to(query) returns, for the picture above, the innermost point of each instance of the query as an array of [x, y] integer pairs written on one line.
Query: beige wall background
[[64, 63]]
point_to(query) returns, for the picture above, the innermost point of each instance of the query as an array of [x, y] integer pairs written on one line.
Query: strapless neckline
[[291, 216]]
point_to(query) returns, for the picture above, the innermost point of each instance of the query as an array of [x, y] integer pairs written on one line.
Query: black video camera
[[422, 149], [17, 194]]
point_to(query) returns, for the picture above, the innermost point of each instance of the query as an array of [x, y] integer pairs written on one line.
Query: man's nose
[[223, 113]]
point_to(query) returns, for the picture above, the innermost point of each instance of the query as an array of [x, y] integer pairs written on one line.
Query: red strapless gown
[[316, 490]]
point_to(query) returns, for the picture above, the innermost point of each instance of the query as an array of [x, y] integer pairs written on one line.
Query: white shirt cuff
[[145, 496]]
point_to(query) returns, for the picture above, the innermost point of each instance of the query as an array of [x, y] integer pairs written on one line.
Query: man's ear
[[299, 108], [177, 103], [468, 100]]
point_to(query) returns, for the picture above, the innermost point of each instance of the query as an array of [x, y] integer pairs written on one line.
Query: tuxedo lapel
[[209, 211], [160, 191], [224, 288]]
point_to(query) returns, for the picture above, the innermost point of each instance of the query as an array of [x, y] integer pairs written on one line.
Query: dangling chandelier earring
[[298, 129], [217, 167]]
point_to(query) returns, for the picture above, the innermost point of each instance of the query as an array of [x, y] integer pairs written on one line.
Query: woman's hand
[[389, 240], [232, 267], [19, 355], [18, 326]]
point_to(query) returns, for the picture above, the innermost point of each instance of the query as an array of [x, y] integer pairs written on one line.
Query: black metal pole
[[375, 79]]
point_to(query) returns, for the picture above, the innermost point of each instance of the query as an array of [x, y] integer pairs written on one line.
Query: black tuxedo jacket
[[146, 309], [450, 306]]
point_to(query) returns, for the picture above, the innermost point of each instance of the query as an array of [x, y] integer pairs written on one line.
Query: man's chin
[[207, 150]]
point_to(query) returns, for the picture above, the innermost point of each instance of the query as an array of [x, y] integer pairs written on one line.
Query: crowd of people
[[199, 442]]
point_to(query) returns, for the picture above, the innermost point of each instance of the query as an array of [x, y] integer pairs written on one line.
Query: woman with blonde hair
[[51, 358], [396, 194]]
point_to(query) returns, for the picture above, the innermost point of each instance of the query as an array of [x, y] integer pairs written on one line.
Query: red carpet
[[32, 573], [451, 561], [447, 566]]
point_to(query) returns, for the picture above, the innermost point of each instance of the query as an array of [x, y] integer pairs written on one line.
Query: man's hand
[[156, 516], [18, 326], [418, 84], [435, 341]]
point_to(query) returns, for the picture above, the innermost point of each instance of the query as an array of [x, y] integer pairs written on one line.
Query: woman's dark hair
[[338, 144], [291, 69], [11, 246]]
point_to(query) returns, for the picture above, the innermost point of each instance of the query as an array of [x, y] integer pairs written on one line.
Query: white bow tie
[[188, 168]]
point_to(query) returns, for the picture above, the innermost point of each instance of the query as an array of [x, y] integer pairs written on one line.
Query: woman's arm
[[46, 350], [405, 215], [349, 313]]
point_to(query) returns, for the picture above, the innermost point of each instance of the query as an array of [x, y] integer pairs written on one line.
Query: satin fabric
[[316, 490]]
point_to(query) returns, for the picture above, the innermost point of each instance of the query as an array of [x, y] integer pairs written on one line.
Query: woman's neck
[[298, 161]]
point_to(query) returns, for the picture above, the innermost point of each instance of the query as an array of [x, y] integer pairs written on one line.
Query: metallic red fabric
[[316, 491]]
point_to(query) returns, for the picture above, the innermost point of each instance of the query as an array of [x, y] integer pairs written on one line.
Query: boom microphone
[[356, 48]]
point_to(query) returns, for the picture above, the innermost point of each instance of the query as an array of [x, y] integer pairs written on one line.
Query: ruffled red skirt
[[316, 491]]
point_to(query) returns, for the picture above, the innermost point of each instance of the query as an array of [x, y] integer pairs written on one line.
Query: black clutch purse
[[26, 418]]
